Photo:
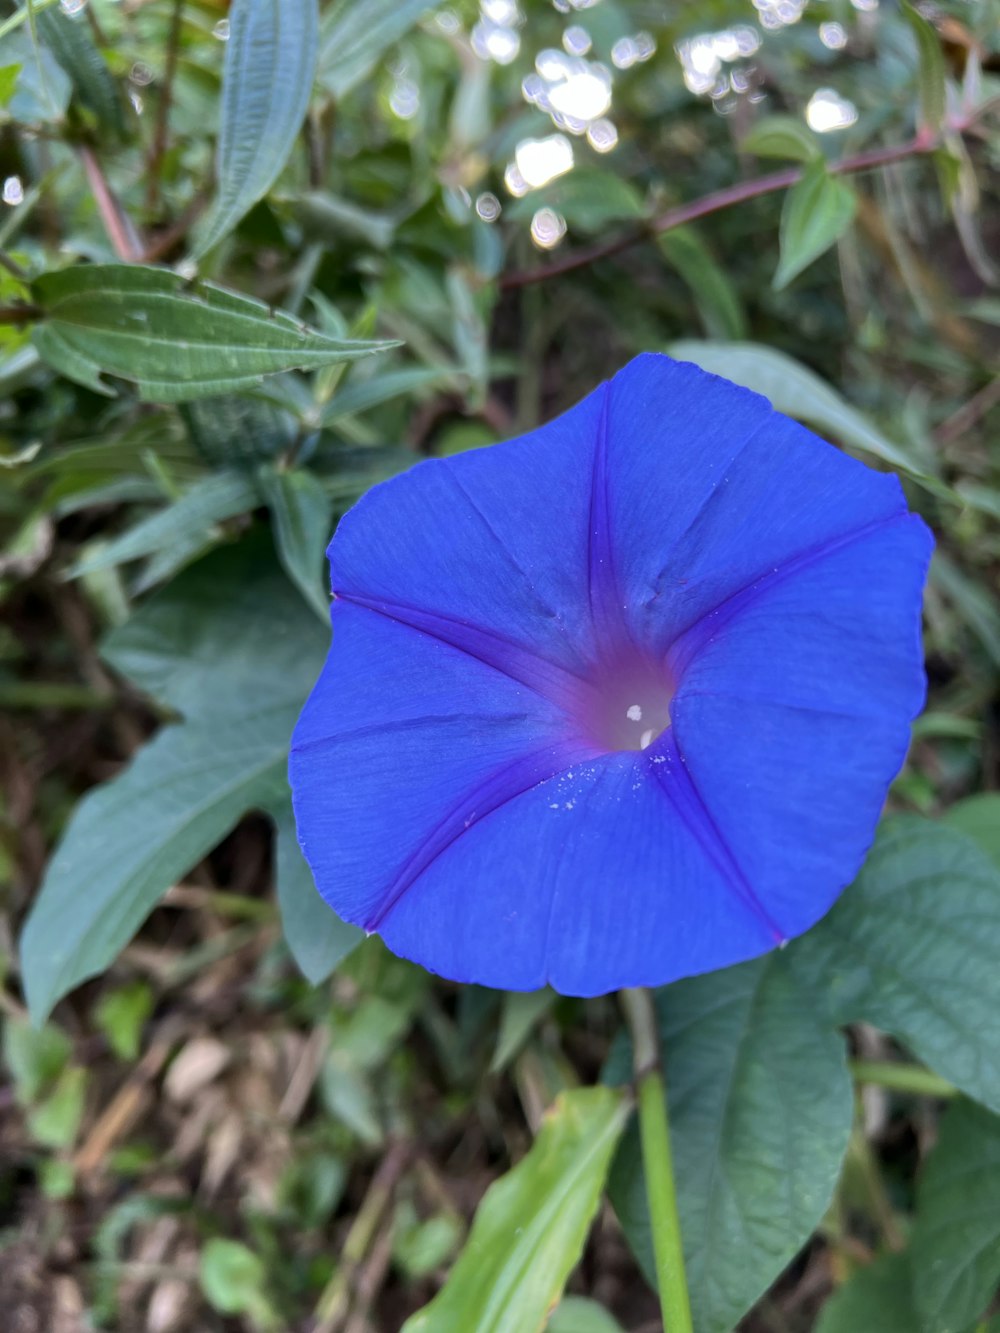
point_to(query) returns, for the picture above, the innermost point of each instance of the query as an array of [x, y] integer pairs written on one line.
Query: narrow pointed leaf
[[817, 212], [302, 515], [268, 76], [70, 42], [530, 1228], [357, 33], [175, 341], [931, 70]]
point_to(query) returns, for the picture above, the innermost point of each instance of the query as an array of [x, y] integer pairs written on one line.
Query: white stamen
[[634, 713], [646, 739]]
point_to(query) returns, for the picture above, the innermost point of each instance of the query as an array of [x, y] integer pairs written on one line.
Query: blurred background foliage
[[469, 216]]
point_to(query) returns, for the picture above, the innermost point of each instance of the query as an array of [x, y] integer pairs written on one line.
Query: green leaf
[[931, 74], [530, 1227], [43, 88], [978, 817], [176, 341], [760, 1117], [35, 1056], [8, 82], [876, 1299], [302, 514], [782, 136], [121, 1015], [817, 212], [519, 1013], [266, 82], [55, 1122], [188, 521], [955, 1247], [912, 948], [355, 34], [70, 42], [228, 648], [232, 1277], [588, 198], [237, 431], [718, 304], [378, 389], [577, 1314], [798, 392], [317, 937]]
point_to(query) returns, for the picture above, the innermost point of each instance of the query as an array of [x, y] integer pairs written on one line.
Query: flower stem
[[657, 1161]]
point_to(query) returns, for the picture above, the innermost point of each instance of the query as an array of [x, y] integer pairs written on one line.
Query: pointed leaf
[[226, 646], [176, 341], [69, 40], [798, 392], [817, 212], [931, 72], [357, 33], [302, 514], [266, 82], [782, 136], [760, 1116], [531, 1226], [912, 948], [317, 937], [876, 1299]]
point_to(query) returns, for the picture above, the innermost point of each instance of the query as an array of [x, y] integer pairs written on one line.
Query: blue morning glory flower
[[618, 701]]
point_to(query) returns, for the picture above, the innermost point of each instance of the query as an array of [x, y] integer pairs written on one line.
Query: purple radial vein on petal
[[606, 608], [552, 682], [504, 785], [669, 769], [688, 642]]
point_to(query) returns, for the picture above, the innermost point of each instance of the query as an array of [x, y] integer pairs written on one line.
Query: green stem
[[657, 1162], [901, 1078]]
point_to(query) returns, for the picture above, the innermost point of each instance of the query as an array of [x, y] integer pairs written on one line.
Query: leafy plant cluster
[[238, 287]]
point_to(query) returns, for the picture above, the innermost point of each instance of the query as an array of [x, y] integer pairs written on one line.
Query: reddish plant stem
[[714, 203], [121, 231]]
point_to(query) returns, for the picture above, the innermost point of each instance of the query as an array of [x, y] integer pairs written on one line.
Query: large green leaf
[[912, 947], [817, 211], [979, 817], [357, 33], [316, 936], [174, 340], [876, 1299], [266, 82], [531, 1225], [230, 648], [956, 1241], [760, 1113], [798, 392]]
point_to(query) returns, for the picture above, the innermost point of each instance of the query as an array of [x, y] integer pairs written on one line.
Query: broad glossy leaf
[[782, 136], [317, 937], [979, 818], [302, 517], [798, 392], [234, 651], [817, 212], [70, 42], [912, 947], [356, 34], [956, 1241], [760, 1116], [176, 341], [530, 1227], [876, 1299], [268, 76]]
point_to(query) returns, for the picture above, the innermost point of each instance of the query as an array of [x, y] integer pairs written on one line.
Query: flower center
[[632, 708]]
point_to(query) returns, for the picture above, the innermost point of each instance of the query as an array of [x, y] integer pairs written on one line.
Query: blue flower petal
[[616, 702]]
